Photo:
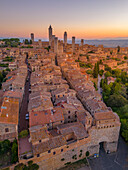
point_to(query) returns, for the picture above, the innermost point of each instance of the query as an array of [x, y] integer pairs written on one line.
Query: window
[[58, 95], [38, 155], [75, 116], [54, 153], [61, 150], [68, 111], [39, 141], [49, 151], [6, 130], [35, 114], [61, 121], [69, 117]]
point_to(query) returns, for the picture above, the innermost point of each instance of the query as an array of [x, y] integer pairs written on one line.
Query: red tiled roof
[[45, 117], [104, 115]]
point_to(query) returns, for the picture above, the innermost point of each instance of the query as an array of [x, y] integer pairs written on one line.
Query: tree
[[111, 52], [30, 41], [100, 62], [107, 68], [95, 71], [101, 72], [87, 57], [116, 101], [19, 166], [89, 71], [23, 134], [116, 72], [125, 57], [4, 146], [14, 151], [124, 129], [107, 74], [30, 166], [26, 41], [98, 67], [95, 86]]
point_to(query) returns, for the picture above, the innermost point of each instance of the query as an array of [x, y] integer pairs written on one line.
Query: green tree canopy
[[116, 101]]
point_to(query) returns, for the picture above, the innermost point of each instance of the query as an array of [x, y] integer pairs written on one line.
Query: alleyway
[[23, 123]]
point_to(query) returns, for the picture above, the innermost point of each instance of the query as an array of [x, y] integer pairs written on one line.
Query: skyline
[[82, 19]]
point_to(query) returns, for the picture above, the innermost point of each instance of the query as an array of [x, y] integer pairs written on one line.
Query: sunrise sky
[[88, 19]]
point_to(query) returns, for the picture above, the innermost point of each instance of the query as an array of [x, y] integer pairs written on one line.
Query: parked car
[[27, 116]]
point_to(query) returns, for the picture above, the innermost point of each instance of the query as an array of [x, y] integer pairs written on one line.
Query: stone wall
[[64, 154], [108, 135], [11, 134]]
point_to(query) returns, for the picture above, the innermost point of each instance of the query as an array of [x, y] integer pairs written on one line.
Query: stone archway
[[103, 143], [103, 146]]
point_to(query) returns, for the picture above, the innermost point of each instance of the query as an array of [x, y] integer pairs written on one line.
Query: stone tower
[[56, 45], [82, 42], [32, 37], [50, 35], [73, 44], [65, 38], [60, 47]]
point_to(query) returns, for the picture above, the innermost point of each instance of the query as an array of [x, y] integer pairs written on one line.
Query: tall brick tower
[[82, 42], [73, 44], [56, 45], [65, 38], [32, 37], [50, 35]]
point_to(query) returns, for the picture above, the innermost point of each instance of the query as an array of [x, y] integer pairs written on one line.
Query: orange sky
[[88, 19]]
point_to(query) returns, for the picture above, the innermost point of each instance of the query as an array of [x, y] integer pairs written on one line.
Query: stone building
[[9, 115]]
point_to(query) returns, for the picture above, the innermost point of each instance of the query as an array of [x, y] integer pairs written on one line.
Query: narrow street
[[23, 123], [98, 84]]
